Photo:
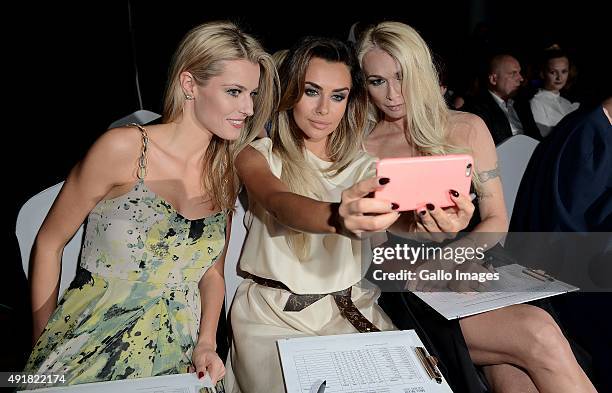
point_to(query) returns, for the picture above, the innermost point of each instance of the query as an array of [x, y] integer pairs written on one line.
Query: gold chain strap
[[142, 161]]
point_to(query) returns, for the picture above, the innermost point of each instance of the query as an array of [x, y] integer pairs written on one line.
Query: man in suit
[[496, 105], [567, 187]]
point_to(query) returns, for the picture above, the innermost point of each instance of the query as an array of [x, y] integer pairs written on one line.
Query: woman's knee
[[545, 345]]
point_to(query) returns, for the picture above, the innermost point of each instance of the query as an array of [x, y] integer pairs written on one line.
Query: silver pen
[[318, 386]]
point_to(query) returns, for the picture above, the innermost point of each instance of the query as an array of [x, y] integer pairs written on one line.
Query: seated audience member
[[567, 187], [567, 184], [547, 105], [496, 104]]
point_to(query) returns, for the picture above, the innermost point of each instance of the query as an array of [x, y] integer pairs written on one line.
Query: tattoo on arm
[[485, 176]]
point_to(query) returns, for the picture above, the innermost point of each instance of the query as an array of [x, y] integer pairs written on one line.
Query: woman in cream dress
[[304, 256]]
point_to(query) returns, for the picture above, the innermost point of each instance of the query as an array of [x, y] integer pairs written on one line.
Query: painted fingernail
[[430, 207], [201, 374], [423, 212], [383, 180], [454, 193], [394, 206]]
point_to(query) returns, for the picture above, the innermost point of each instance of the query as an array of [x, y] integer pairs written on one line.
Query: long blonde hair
[[202, 53], [427, 115], [343, 145]]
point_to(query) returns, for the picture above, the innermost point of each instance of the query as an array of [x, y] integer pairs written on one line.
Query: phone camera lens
[[468, 169]]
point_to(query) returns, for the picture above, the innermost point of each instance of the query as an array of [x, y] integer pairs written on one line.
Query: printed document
[[513, 287], [377, 362]]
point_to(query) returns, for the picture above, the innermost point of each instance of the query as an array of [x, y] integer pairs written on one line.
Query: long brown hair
[[343, 145]]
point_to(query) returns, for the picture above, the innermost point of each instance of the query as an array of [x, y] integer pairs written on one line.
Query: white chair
[[232, 273], [141, 116], [513, 155], [29, 220]]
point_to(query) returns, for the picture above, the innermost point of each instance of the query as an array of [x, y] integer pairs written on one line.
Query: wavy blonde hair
[[426, 111], [343, 145], [202, 52]]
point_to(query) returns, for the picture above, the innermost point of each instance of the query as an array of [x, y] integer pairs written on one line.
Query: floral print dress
[[133, 309]]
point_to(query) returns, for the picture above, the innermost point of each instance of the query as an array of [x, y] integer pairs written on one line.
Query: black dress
[[442, 338]]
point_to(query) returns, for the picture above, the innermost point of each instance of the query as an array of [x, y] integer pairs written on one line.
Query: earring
[[188, 97]]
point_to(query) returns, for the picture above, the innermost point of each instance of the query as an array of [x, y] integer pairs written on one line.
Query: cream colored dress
[[335, 263]]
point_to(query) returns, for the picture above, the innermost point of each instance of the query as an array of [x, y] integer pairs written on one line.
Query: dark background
[[69, 73]]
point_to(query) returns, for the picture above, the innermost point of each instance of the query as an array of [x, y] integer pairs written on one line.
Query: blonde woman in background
[[158, 203], [521, 347]]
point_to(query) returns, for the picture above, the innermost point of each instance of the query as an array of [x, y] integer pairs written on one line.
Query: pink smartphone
[[417, 181]]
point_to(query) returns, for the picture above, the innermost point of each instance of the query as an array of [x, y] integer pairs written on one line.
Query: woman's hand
[[206, 360], [357, 213], [444, 223]]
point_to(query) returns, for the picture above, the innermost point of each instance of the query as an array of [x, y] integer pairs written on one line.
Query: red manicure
[[201, 374]]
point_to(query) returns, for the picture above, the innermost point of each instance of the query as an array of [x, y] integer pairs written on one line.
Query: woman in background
[[547, 105]]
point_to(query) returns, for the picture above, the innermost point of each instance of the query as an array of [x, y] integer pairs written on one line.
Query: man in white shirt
[[503, 115]]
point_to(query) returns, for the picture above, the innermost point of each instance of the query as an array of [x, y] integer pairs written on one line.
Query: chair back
[[513, 155], [29, 220]]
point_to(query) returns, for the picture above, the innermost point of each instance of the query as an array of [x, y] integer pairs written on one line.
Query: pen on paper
[[537, 275], [543, 273], [429, 363], [318, 386]]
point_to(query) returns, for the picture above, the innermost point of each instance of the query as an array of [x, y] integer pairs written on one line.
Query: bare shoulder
[[116, 151], [121, 140], [468, 129]]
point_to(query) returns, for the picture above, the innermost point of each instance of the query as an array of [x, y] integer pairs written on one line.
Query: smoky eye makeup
[[310, 92], [376, 81]]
